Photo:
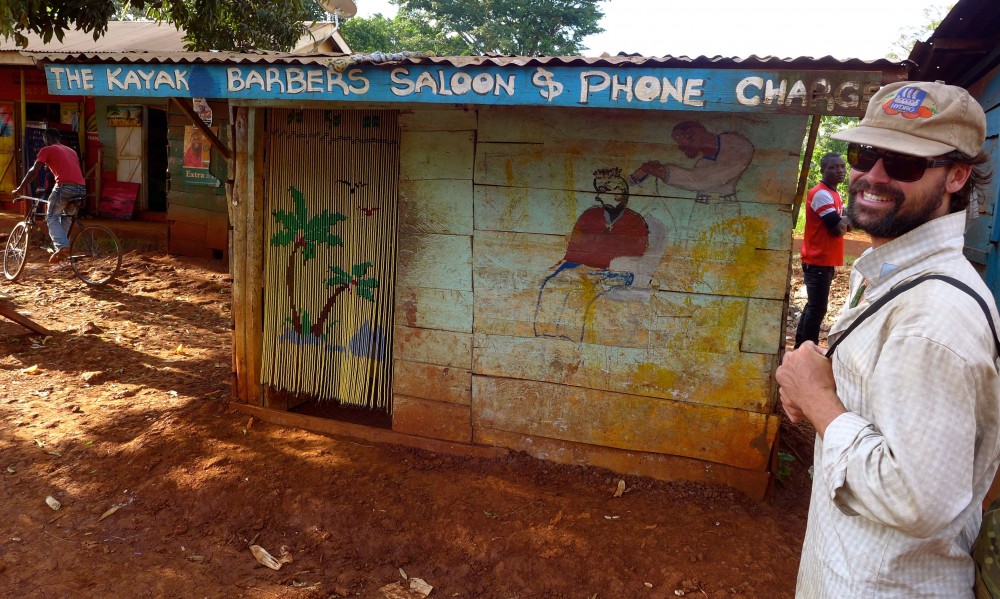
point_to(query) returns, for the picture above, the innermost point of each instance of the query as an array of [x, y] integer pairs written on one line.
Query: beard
[[905, 214]]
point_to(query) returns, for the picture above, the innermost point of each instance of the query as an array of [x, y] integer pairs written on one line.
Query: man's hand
[[808, 390], [655, 168]]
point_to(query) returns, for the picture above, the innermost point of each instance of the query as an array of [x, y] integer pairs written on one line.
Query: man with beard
[[906, 410], [822, 245]]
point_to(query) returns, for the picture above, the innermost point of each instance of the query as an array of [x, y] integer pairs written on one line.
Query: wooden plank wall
[[432, 348], [197, 216], [671, 376]]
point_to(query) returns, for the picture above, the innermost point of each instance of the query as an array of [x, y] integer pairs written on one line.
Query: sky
[[843, 29]]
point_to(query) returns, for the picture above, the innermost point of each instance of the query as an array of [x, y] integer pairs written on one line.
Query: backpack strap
[[874, 307]]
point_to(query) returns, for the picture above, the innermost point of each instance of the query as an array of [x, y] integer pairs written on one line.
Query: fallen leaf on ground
[[269, 560], [33, 369], [110, 511], [414, 588], [621, 488]]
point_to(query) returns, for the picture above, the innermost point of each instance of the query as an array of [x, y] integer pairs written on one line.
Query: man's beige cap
[[921, 118]]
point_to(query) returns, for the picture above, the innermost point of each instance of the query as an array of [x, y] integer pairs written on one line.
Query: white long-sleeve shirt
[[900, 478]]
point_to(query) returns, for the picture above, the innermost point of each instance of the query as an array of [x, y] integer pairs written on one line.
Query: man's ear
[[957, 175]]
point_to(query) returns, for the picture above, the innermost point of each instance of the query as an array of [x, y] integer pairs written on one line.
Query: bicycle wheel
[[16, 252], [95, 255]]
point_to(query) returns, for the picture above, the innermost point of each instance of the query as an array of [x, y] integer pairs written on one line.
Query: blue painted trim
[[821, 92]]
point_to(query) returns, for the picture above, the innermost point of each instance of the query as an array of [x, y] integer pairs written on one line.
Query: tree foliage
[[514, 27], [400, 33], [933, 14], [209, 24]]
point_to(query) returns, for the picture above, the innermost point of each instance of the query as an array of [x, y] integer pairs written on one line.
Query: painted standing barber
[[906, 410]]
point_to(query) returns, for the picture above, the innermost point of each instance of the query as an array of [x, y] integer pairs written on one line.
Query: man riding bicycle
[[64, 164]]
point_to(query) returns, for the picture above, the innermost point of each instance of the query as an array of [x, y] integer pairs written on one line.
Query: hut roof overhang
[[963, 48], [805, 85]]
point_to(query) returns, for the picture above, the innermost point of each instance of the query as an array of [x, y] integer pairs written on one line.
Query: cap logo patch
[[911, 102]]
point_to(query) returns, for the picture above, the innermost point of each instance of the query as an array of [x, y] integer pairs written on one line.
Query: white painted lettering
[[132, 80], [647, 88], [314, 81], [461, 83], [163, 78], [113, 81], [775, 94], [693, 91], [234, 80], [603, 80], [425, 79], [754, 84], [618, 86], [334, 79], [507, 86], [181, 76], [442, 85], [820, 94], [398, 76], [296, 80], [147, 79], [73, 77], [482, 84], [357, 76], [57, 74], [273, 78], [798, 92], [847, 95], [672, 89], [255, 78]]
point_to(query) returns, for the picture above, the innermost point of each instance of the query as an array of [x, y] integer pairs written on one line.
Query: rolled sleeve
[[841, 436]]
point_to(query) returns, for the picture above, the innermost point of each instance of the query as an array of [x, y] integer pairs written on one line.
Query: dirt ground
[[122, 416]]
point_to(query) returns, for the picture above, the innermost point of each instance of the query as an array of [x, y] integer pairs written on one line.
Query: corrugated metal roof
[[964, 47], [284, 58], [122, 36]]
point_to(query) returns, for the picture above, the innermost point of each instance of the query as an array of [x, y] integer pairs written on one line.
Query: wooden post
[[237, 255], [255, 240]]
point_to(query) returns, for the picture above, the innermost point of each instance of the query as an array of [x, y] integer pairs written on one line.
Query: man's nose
[[877, 173]]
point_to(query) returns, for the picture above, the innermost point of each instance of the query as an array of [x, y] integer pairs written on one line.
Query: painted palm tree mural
[[305, 232], [330, 257]]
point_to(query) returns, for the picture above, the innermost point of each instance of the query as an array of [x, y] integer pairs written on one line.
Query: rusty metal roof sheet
[[621, 60], [122, 36], [963, 48]]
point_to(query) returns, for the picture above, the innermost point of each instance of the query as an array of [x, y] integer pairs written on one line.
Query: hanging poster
[[69, 114], [6, 120], [198, 158], [203, 110], [124, 116]]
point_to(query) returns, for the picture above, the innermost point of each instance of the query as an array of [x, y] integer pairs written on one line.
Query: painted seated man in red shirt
[[601, 234], [64, 164]]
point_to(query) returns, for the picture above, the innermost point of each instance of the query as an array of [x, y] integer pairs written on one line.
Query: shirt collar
[[718, 148], [916, 251]]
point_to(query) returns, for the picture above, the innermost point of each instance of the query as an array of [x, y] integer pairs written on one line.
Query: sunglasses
[[901, 167]]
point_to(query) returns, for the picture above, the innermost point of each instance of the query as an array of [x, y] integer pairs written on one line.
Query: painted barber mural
[[720, 160], [613, 251]]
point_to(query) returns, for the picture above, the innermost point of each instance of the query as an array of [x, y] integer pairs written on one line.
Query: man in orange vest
[[822, 246]]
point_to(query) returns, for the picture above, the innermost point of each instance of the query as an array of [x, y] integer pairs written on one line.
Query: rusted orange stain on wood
[[717, 245]]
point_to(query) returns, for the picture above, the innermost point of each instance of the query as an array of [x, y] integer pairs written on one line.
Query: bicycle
[[95, 253]]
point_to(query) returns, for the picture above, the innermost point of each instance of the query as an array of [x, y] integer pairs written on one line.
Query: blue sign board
[[816, 92]]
